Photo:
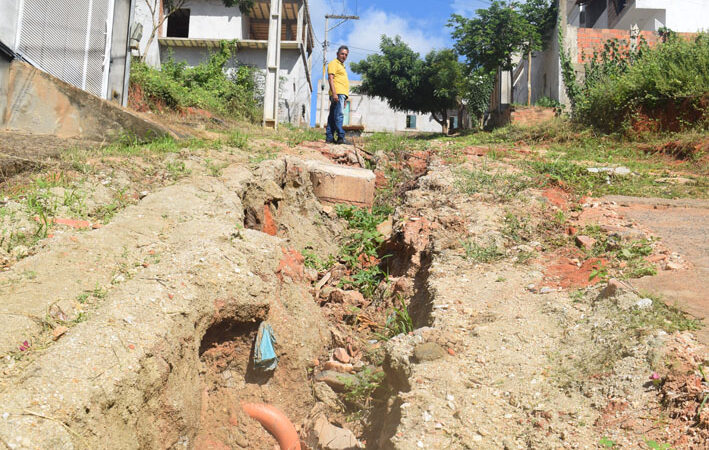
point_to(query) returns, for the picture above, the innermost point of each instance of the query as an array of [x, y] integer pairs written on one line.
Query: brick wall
[[592, 39], [531, 115]]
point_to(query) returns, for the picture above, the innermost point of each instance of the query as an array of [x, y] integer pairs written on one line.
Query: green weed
[[314, 261], [358, 393], [215, 168], [238, 139], [177, 169], [482, 253], [501, 187], [661, 316], [399, 321]]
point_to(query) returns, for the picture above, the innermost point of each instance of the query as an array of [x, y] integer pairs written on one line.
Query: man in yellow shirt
[[339, 91]]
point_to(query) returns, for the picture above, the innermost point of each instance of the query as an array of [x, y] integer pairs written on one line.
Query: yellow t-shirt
[[341, 82]]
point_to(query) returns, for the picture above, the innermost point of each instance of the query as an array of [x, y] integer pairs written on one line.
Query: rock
[[346, 297], [325, 292], [321, 434], [338, 367], [325, 394], [585, 242], [428, 351], [385, 228], [338, 184], [671, 265], [19, 252], [337, 381], [311, 274], [341, 355], [675, 180], [644, 303], [143, 194], [620, 171], [59, 331], [614, 288]]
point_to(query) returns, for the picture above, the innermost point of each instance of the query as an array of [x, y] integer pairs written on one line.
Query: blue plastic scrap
[[264, 352]]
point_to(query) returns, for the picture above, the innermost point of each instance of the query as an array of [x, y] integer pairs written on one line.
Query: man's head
[[342, 53]]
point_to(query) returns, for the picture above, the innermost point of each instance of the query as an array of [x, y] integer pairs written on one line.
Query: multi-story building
[[285, 57], [587, 24]]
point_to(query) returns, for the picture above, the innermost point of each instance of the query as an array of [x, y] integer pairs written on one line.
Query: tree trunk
[[463, 118], [443, 123]]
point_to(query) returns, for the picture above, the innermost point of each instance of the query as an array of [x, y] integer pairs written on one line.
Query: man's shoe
[[330, 141], [343, 141]]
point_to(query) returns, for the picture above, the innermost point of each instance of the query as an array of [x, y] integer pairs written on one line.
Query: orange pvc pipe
[[275, 422]]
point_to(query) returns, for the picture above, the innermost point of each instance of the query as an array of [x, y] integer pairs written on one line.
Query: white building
[[285, 57], [375, 115], [649, 15]]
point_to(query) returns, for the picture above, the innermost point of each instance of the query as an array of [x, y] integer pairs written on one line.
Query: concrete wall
[[376, 115], [8, 23], [650, 15], [39, 103], [142, 16], [211, 19], [119, 69]]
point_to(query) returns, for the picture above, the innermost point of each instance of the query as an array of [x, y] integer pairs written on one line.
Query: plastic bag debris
[[264, 352]]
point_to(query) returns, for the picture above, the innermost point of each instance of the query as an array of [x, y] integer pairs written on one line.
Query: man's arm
[[331, 80]]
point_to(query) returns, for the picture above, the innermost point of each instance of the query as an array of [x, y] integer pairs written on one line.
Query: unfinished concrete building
[[196, 28], [587, 25]]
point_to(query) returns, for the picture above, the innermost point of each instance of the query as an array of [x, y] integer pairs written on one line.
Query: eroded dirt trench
[[450, 345]]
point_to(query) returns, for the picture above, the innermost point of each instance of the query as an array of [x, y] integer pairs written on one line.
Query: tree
[[169, 7], [490, 40], [408, 83]]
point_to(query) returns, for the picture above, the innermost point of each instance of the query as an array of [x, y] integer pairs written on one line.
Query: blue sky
[[421, 24]]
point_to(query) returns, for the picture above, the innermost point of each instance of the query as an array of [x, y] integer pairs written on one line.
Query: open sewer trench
[[345, 397], [176, 359], [357, 395]]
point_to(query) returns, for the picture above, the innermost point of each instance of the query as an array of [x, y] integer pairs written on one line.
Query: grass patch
[[501, 187], [661, 316], [238, 139], [482, 253], [359, 249]]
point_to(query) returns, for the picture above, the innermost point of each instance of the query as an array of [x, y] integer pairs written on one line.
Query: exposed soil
[[140, 331]]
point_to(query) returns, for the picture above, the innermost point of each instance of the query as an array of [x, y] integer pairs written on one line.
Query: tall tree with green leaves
[[397, 74], [489, 41]]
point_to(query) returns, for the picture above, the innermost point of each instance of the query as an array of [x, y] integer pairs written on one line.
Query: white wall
[[8, 24], [686, 16], [682, 16], [295, 93], [210, 19], [143, 17], [377, 115]]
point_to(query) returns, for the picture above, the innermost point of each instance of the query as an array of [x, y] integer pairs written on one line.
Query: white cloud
[[366, 34], [467, 8]]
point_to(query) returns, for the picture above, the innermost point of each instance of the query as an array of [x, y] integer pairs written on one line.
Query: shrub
[[209, 86], [621, 83]]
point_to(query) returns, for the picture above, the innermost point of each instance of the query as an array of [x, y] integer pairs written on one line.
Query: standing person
[[339, 91]]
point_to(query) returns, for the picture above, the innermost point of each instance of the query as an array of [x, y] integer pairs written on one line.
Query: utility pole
[[323, 82]]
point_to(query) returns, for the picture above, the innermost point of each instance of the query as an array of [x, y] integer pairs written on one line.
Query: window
[[178, 24], [453, 122], [410, 121]]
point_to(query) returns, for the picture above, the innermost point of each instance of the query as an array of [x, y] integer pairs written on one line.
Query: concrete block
[[341, 184]]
